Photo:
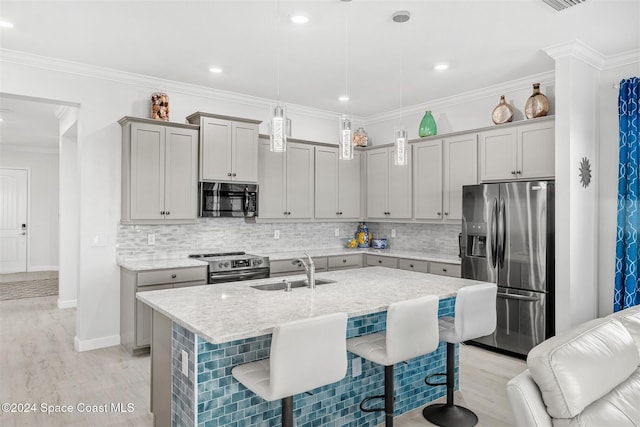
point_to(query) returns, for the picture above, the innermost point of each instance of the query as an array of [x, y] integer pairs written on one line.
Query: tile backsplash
[[233, 234]]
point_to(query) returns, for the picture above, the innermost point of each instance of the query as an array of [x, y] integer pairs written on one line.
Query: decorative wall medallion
[[585, 172]]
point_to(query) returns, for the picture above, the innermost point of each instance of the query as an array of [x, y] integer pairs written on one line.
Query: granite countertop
[[233, 311], [137, 264], [159, 264], [416, 255]]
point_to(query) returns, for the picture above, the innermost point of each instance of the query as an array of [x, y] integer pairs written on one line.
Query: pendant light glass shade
[[401, 156], [345, 144], [278, 131]]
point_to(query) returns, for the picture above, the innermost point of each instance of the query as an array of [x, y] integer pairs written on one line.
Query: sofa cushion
[[619, 408], [630, 319], [578, 367]]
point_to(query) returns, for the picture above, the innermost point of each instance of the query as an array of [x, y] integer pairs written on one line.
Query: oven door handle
[[235, 275]]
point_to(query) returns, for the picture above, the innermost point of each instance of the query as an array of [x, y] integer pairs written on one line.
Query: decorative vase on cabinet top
[[503, 113], [360, 138], [427, 125], [537, 105], [160, 106]]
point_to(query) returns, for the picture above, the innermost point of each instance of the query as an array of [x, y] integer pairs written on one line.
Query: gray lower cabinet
[[381, 261], [440, 268], [445, 269], [135, 316], [413, 265], [344, 262], [286, 267]]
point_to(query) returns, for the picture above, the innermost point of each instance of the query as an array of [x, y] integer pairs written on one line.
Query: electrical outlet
[[185, 363], [276, 234], [356, 367], [151, 239], [393, 232], [337, 232]]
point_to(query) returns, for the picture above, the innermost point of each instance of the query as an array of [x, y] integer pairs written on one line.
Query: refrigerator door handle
[[517, 297], [502, 234], [494, 233]]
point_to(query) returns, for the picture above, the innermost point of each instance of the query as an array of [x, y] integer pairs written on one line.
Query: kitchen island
[[221, 326]]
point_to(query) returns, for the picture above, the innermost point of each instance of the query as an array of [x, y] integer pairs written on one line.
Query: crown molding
[[622, 59], [474, 95], [154, 83], [579, 50]]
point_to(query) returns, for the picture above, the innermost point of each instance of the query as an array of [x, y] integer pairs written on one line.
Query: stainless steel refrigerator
[[508, 238]]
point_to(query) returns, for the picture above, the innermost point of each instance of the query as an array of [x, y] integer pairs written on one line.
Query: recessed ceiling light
[[6, 24], [299, 19], [441, 66], [343, 98], [216, 70]]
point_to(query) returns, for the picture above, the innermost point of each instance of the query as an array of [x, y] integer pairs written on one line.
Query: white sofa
[[587, 376]]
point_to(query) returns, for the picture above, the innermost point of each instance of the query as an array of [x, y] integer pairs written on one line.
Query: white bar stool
[[412, 331], [475, 317], [305, 354]]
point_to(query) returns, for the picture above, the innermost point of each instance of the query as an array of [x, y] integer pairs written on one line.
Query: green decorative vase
[[427, 125]]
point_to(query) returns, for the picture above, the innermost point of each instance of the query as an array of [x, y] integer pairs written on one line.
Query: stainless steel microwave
[[221, 199]]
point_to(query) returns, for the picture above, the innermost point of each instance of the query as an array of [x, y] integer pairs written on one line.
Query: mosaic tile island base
[[222, 326]]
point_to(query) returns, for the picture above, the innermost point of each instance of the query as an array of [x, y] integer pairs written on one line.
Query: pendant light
[[278, 124], [345, 143], [401, 157]]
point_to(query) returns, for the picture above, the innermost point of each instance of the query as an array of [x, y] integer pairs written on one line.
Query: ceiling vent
[[562, 4]]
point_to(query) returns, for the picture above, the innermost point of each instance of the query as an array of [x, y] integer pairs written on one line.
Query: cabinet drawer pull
[[379, 261], [344, 260], [411, 265], [444, 270], [173, 276]]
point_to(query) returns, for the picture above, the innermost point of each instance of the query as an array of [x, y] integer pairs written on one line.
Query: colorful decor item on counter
[[379, 243], [427, 125], [537, 105], [503, 113], [360, 138], [160, 106], [363, 236]]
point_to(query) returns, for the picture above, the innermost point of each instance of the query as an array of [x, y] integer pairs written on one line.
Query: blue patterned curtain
[[627, 287]]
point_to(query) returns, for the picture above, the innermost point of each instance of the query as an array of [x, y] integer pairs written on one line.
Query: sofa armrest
[[526, 402]]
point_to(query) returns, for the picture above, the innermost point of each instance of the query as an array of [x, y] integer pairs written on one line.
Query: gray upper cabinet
[[389, 191], [337, 185], [286, 182], [440, 168], [522, 151], [228, 148], [159, 171]]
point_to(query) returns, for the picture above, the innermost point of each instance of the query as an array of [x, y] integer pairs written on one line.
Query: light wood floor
[[38, 365]]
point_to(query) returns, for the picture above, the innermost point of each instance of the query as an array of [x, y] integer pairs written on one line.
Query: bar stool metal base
[[449, 416], [287, 411], [387, 396]]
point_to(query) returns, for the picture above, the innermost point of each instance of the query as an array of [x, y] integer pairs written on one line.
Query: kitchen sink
[[280, 286]]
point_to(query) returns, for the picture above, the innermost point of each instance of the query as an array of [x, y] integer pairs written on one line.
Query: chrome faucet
[[309, 268]]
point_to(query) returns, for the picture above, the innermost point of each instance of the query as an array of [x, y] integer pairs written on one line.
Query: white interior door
[[13, 220]]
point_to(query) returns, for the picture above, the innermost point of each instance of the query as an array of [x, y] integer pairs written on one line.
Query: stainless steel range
[[234, 266]]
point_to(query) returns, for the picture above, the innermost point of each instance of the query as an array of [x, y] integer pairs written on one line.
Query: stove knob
[[257, 261], [221, 265]]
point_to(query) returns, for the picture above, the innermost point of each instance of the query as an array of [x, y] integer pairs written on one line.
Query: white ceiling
[[486, 43]]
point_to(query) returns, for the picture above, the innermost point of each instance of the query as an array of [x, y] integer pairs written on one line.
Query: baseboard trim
[[93, 344], [69, 303], [43, 268]]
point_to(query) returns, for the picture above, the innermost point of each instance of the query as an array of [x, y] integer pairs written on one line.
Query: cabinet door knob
[[173, 276], [234, 174], [228, 173], [411, 265], [519, 172], [513, 172], [439, 213], [379, 261], [161, 212], [337, 213], [344, 260], [340, 213], [444, 269], [446, 213], [167, 213]]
